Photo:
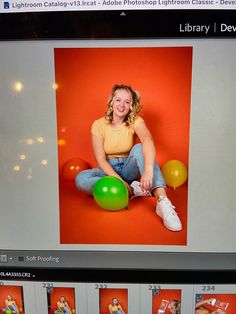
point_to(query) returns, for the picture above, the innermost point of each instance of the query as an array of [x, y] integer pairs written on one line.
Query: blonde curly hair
[[135, 106], [177, 305]]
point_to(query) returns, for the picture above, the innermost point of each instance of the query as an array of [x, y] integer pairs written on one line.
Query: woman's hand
[[147, 179], [211, 301], [130, 190]]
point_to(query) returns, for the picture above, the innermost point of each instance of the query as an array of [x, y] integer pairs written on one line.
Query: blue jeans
[[63, 309], [12, 307], [130, 169]]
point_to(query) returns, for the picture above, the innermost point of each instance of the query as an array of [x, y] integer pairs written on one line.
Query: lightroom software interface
[[72, 246]]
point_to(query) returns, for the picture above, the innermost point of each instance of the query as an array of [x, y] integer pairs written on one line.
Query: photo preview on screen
[[137, 224]]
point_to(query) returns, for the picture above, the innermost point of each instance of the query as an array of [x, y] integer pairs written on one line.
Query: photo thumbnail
[[215, 303], [11, 299], [166, 301], [61, 300], [113, 301]]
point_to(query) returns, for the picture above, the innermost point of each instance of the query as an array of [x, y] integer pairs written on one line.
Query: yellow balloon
[[175, 173]]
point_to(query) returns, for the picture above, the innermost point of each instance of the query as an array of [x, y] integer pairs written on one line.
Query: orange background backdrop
[[85, 78], [16, 292], [230, 298], [68, 293], [165, 294], [106, 295]]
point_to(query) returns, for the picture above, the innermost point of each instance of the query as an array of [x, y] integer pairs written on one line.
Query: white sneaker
[[166, 211], [137, 191]]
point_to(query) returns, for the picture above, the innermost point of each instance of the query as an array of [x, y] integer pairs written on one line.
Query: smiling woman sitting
[[113, 145]]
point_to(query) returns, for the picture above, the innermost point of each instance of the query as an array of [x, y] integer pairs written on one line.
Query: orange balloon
[[72, 167]]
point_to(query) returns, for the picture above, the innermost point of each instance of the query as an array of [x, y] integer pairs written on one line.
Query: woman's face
[[62, 299], [122, 102], [115, 301], [9, 297]]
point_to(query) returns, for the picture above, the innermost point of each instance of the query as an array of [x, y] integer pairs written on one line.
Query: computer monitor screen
[[53, 91], [117, 161]]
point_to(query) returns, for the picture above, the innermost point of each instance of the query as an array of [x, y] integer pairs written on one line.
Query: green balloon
[[110, 193]]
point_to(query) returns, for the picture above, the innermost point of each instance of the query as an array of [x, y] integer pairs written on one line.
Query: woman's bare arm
[[149, 153]]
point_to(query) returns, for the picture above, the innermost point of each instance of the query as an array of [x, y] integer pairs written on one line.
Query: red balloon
[[72, 167]]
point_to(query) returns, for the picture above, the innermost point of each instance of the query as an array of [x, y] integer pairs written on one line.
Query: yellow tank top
[[10, 302], [117, 141], [114, 307]]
